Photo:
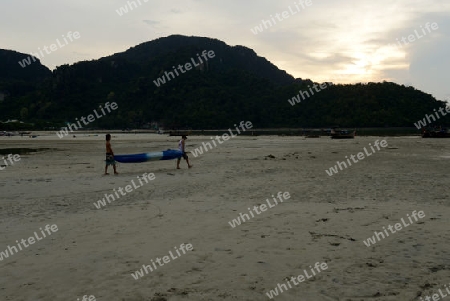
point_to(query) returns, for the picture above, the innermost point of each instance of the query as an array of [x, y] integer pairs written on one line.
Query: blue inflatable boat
[[169, 154]]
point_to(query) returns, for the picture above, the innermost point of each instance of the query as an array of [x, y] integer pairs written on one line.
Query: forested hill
[[10, 69], [231, 85], [177, 49], [16, 81]]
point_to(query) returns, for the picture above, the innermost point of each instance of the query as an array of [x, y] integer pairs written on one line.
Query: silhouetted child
[[109, 156], [181, 146]]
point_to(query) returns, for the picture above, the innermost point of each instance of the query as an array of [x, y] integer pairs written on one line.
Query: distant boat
[[9, 134], [342, 134], [436, 132]]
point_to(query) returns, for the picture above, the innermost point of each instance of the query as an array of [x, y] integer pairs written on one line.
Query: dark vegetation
[[235, 85]]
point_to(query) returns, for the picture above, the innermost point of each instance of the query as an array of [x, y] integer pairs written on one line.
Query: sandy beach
[[325, 220]]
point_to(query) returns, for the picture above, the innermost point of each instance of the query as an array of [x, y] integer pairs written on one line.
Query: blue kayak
[[169, 154]]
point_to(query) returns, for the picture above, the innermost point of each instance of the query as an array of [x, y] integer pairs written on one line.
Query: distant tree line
[[236, 85]]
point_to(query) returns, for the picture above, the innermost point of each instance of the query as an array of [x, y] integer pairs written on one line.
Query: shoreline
[[376, 131]]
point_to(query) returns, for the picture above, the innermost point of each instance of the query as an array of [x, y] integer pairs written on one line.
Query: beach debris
[[182, 292], [158, 298], [426, 286], [222, 250], [438, 268], [336, 210], [318, 235], [377, 294]]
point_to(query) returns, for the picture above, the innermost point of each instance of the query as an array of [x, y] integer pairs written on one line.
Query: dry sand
[[326, 219]]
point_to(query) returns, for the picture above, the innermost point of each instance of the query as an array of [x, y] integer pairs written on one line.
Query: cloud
[[349, 38], [151, 22]]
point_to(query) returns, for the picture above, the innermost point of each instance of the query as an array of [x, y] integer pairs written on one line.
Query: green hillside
[[234, 85]]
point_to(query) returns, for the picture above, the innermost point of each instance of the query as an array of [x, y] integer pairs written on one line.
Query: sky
[[343, 41]]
